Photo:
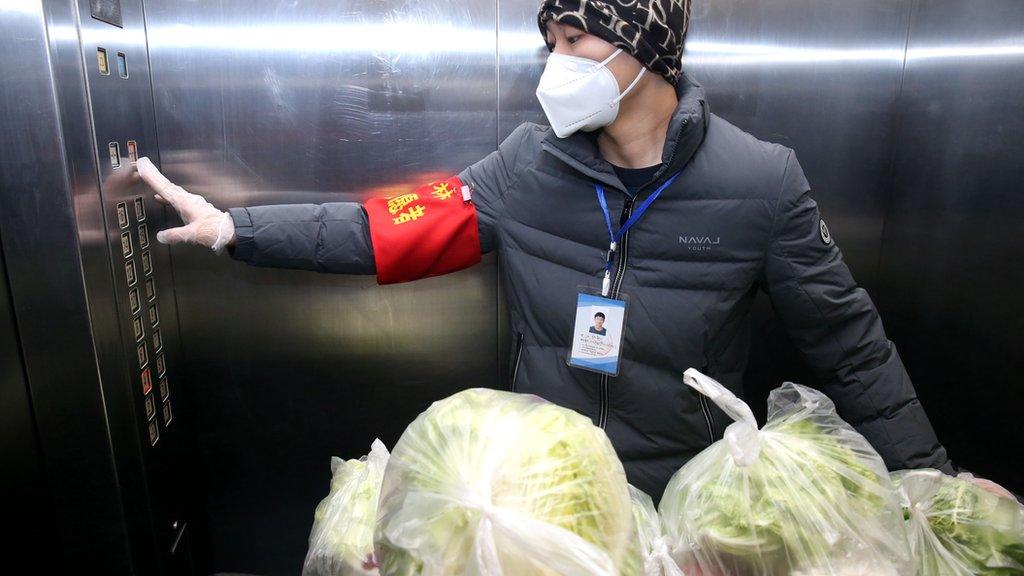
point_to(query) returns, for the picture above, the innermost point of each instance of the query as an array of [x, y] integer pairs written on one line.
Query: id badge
[[597, 334]]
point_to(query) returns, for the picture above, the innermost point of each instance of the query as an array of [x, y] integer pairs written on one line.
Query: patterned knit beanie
[[651, 30]]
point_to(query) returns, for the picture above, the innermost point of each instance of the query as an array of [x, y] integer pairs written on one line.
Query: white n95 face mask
[[580, 93]]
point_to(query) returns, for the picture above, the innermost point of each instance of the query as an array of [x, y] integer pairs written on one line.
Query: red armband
[[427, 232]]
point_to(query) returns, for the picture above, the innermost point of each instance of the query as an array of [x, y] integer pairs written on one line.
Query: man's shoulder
[[732, 162]]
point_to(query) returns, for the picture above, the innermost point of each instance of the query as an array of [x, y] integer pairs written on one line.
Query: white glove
[[204, 224]]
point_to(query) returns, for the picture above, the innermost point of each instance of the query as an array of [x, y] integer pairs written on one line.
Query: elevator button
[[150, 407], [140, 209], [143, 236], [165, 389], [129, 272], [147, 382], [140, 352], [137, 328], [133, 152], [158, 339], [101, 59], [150, 289], [133, 300], [126, 244], [167, 413], [161, 367], [122, 215], [154, 316], [115, 154], [147, 264], [122, 65], [154, 433]]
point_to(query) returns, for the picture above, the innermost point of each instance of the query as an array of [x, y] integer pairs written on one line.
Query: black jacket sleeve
[[838, 330]]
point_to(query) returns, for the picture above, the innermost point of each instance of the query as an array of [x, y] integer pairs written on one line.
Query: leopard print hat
[[651, 30]]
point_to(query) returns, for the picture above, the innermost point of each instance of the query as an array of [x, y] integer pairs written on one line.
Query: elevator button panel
[[140, 283]]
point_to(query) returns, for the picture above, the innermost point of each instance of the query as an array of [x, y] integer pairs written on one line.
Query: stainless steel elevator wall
[[952, 258]]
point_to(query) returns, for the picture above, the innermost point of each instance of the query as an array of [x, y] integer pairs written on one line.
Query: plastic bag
[[805, 495], [958, 528], [490, 483], [652, 554], [341, 541]]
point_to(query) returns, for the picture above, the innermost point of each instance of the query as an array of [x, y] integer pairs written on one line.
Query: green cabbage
[[341, 541], [488, 482], [958, 528], [805, 494]]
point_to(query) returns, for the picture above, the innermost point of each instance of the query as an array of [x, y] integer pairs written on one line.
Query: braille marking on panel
[[122, 214], [165, 389], [147, 264], [150, 289], [133, 301], [126, 244], [140, 351], [143, 236], [147, 382], [115, 154], [150, 407], [140, 209], [133, 152], [154, 433], [158, 341], [122, 65], [101, 60], [154, 316], [129, 272], [138, 328]]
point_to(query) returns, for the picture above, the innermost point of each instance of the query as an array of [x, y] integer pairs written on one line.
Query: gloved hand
[[204, 224]]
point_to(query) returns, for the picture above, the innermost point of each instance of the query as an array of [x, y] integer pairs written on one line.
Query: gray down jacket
[[739, 218]]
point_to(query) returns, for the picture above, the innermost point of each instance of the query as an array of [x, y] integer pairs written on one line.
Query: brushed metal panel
[[315, 101], [952, 252]]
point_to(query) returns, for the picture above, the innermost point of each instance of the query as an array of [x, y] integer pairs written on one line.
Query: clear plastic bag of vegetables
[[652, 547], [958, 528], [804, 495], [341, 541], [487, 483]]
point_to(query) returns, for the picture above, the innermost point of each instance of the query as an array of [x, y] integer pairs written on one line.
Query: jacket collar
[[686, 131]]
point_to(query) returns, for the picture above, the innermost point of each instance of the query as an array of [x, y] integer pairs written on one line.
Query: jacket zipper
[[515, 366], [620, 267]]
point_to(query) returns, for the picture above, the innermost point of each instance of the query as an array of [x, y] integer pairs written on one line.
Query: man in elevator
[[633, 163]]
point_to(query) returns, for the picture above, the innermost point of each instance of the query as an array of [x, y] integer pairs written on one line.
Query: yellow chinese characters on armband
[[429, 231]]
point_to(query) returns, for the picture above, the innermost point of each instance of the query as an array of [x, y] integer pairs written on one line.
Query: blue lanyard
[[615, 238]]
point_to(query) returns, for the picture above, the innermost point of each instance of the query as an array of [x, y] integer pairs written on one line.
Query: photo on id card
[[597, 333]]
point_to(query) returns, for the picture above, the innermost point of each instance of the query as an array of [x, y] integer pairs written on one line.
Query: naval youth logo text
[[699, 243]]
